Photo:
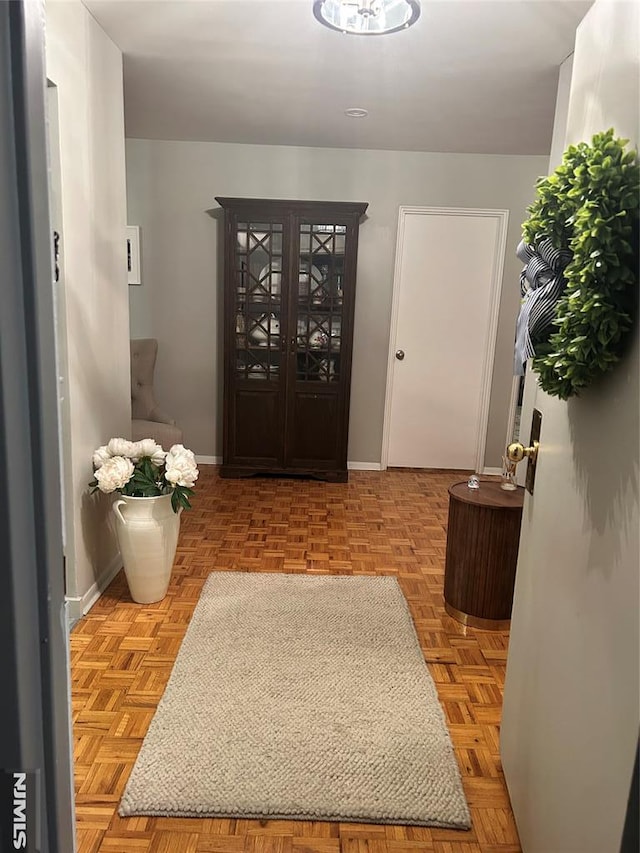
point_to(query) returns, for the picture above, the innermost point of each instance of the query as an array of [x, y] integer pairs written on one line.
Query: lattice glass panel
[[326, 239], [319, 305], [258, 267]]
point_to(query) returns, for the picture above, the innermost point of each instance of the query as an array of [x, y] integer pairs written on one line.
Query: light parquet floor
[[391, 523]]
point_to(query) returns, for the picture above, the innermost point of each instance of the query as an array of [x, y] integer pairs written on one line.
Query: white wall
[[571, 705], [86, 67], [562, 112], [171, 185]]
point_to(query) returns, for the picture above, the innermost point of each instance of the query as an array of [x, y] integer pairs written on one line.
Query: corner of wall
[[78, 606]]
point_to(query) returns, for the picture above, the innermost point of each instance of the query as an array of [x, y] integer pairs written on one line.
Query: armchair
[[148, 421]]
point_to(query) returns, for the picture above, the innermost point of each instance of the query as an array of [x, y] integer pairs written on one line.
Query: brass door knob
[[517, 451]]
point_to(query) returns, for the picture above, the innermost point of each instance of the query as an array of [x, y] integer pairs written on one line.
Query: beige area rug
[[301, 697]]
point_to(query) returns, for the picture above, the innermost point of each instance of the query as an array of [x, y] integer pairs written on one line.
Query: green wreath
[[589, 205]]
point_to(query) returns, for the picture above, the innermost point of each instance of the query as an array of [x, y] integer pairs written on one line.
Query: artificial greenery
[[590, 205]]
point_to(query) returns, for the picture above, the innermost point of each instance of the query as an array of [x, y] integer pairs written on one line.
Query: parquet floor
[[122, 653]]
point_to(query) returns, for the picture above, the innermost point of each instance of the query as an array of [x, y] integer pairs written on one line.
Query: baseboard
[[352, 466], [78, 606]]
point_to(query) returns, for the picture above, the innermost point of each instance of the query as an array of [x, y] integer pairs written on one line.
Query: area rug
[[300, 697]]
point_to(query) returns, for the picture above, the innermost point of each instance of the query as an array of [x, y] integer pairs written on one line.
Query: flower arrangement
[[142, 469]]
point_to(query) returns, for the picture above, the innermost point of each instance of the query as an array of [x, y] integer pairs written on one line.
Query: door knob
[[399, 354], [517, 451]]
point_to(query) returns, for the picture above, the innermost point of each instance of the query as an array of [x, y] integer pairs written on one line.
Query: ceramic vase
[[147, 531]]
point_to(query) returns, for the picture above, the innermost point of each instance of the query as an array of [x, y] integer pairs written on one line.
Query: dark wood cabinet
[[289, 279]]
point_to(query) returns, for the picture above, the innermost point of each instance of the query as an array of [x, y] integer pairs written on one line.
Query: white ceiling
[[475, 76]]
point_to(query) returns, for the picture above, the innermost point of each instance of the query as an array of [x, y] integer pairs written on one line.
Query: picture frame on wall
[[133, 254]]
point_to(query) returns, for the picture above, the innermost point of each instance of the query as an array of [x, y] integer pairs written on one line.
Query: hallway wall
[[171, 187], [86, 68]]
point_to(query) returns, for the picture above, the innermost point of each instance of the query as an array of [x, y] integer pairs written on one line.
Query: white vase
[[147, 530]]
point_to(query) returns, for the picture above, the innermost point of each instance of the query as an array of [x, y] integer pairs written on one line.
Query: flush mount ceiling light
[[356, 112], [367, 17]]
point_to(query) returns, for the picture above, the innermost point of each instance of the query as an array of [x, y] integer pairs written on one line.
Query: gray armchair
[[148, 421]]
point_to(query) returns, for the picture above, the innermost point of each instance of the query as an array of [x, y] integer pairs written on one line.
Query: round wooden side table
[[482, 551]]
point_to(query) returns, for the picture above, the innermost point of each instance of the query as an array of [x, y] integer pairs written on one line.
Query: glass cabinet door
[[319, 302], [259, 282]]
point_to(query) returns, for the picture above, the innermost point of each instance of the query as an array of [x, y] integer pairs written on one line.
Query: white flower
[[101, 456], [114, 473], [181, 469], [148, 447], [182, 473], [181, 450], [122, 447]]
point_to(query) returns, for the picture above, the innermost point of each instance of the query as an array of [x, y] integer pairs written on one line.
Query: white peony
[[101, 456], [181, 469], [148, 447], [122, 447], [181, 450], [114, 473]]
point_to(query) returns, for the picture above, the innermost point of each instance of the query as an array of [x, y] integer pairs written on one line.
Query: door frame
[[35, 731], [54, 172], [502, 216], [513, 401]]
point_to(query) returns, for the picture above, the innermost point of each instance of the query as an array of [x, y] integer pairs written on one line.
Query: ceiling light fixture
[[356, 112], [367, 17]]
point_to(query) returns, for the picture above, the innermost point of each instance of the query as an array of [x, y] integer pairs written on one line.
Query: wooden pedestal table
[[482, 552]]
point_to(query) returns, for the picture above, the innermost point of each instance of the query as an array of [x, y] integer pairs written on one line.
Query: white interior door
[[571, 713], [446, 296]]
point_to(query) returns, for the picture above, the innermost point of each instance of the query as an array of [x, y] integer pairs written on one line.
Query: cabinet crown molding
[[300, 206]]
